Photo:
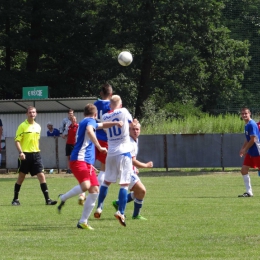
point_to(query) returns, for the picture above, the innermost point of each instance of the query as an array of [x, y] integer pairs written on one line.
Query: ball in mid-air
[[125, 58]]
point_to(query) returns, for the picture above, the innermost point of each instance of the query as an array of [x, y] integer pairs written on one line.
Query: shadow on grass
[[213, 197], [43, 228], [177, 174], [7, 179]]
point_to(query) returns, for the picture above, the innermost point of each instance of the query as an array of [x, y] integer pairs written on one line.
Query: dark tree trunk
[[143, 88], [34, 49], [7, 48]]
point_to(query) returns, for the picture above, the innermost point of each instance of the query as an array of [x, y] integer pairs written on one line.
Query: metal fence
[[166, 151]]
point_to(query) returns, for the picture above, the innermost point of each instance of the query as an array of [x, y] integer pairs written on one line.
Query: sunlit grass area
[[196, 216]]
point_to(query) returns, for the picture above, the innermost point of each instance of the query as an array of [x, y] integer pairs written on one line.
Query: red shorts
[[252, 161], [84, 172], [101, 156]]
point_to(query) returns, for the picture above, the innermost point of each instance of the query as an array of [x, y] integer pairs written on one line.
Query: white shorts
[[119, 167], [134, 180], [101, 177]]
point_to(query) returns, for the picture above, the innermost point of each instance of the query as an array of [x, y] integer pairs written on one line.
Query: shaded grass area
[[189, 217]]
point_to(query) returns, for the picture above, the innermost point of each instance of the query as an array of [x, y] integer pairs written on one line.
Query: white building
[[13, 112]]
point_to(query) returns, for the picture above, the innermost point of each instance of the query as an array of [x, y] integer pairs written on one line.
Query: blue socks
[[102, 195], [122, 196], [129, 198], [137, 204], [137, 207]]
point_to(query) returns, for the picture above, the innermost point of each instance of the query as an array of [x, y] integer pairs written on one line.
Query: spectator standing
[[51, 130], [71, 140], [64, 127], [27, 143], [65, 123]]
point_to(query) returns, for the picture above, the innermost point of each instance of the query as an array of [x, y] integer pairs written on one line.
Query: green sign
[[38, 92]]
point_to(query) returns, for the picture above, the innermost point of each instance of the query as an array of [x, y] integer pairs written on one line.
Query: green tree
[[242, 18], [181, 50]]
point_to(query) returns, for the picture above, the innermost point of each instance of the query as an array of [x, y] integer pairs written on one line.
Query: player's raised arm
[[110, 124], [92, 137]]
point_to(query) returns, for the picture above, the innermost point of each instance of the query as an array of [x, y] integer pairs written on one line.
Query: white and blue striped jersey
[[84, 149], [118, 137], [134, 151]]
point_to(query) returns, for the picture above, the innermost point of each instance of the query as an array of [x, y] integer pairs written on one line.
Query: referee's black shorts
[[32, 164]]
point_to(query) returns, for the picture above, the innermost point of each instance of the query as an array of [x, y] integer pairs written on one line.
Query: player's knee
[[85, 186], [140, 192], [41, 177], [143, 191], [244, 170], [93, 189]]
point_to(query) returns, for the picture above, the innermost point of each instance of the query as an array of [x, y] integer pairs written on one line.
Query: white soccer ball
[[125, 58]]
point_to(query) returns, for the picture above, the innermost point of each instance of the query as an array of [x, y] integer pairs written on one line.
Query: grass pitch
[[189, 217]]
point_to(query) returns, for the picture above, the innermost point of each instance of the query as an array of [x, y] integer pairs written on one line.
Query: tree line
[[189, 52]]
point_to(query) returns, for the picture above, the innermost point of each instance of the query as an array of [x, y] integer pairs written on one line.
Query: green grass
[[189, 217]]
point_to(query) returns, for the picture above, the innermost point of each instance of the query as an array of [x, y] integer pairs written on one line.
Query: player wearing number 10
[[119, 160]]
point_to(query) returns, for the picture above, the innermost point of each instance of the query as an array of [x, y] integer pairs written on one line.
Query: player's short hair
[[138, 125], [30, 108], [115, 101], [90, 110], [245, 108], [106, 89], [135, 124], [70, 110]]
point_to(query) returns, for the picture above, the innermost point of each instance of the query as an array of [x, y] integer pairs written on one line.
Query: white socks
[[101, 177], [88, 207], [247, 182], [73, 192]]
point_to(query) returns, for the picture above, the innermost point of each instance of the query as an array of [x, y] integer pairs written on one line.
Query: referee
[[27, 144]]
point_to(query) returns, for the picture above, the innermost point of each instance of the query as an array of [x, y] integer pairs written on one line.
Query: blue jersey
[[102, 108], [84, 149], [55, 132], [251, 129]]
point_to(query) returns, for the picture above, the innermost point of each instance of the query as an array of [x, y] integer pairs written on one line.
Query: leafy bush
[[177, 118], [181, 111]]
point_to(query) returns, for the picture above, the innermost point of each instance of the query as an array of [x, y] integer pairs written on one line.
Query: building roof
[[49, 105]]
